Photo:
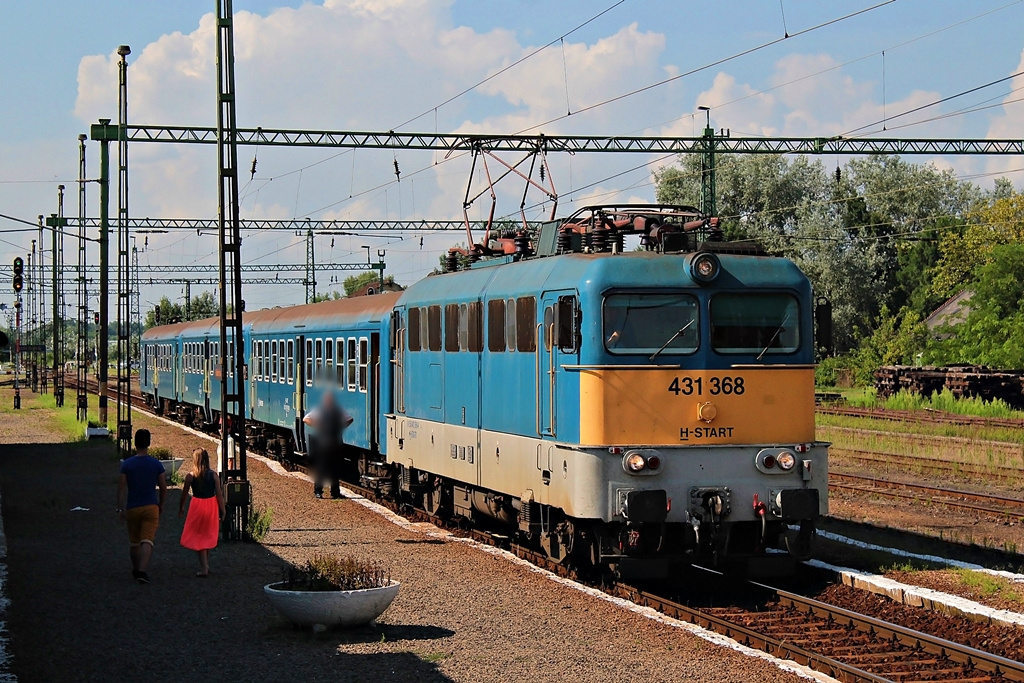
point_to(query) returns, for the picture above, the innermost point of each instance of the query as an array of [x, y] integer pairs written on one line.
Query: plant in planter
[[170, 463], [95, 428], [333, 591]]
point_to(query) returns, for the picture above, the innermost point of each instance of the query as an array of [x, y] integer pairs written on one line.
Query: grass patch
[[258, 525], [988, 585], [944, 401], [434, 657]]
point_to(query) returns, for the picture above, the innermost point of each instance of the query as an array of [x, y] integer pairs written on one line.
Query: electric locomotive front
[[629, 410]]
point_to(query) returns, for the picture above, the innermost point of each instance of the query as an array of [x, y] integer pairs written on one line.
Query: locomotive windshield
[[649, 323], [760, 324]]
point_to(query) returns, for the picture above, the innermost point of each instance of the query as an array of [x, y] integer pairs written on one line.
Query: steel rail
[[926, 494], [883, 458]]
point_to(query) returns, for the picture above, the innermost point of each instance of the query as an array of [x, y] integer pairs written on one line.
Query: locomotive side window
[[526, 324], [351, 358], [496, 325], [309, 362], [414, 329], [434, 328], [755, 323], [475, 327], [364, 358], [451, 327], [510, 325], [291, 361], [651, 323], [463, 327]]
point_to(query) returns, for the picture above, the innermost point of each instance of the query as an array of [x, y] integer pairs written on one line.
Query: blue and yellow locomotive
[[620, 409]]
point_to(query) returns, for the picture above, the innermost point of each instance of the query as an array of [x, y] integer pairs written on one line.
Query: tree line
[[886, 241]]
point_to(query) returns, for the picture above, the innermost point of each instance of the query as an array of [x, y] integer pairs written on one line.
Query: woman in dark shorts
[[205, 512]]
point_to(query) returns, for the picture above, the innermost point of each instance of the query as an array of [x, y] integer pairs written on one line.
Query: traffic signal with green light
[[19, 267]]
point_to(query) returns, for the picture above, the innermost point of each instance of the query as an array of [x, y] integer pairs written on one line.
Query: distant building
[[375, 288], [952, 312]]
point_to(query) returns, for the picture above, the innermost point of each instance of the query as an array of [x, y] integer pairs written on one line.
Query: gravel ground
[[461, 615]]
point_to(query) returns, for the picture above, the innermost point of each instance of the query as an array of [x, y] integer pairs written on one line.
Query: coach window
[[363, 362], [526, 323], [319, 370], [340, 366], [282, 372], [273, 360], [329, 360], [496, 325], [510, 324], [291, 361], [309, 362], [451, 327], [351, 364], [231, 358], [434, 328], [413, 326]]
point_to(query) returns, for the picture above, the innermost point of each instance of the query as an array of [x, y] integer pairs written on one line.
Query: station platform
[[75, 613]]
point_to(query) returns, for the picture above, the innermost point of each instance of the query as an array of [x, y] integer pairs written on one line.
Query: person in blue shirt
[[138, 504]]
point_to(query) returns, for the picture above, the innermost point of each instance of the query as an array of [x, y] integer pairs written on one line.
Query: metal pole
[[103, 333], [58, 393], [40, 365], [82, 342], [188, 300], [124, 282], [17, 351], [30, 317], [232, 352]]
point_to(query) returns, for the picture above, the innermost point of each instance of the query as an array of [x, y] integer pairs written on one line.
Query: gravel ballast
[[461, 615]]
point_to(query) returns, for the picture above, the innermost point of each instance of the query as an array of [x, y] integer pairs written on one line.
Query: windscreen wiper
[[772, 340], [671, 339]]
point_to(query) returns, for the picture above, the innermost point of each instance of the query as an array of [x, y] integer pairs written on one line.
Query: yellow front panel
[[696, 407]]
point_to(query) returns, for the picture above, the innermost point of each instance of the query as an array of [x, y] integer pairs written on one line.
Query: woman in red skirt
[[206, 511]]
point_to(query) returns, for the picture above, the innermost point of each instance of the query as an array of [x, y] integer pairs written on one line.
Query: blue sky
[[372, 64]]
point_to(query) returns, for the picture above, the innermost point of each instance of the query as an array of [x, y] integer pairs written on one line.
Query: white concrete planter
[[171, 466], [323, 609], [96, 432]]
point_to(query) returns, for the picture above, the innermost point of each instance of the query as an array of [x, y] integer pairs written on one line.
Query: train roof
[[355, 309]]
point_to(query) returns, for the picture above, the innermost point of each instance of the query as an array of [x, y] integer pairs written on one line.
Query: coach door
[[373, 393], [206, 381], [299, 397], [556, 345]]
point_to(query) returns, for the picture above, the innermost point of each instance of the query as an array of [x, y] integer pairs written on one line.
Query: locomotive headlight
[[634, 462], [704, 267], [785, 460]]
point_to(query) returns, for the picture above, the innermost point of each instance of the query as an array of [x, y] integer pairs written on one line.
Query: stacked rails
[[963, 381]]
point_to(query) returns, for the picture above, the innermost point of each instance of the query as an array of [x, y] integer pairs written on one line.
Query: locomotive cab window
[[756, 324], [641, 323]]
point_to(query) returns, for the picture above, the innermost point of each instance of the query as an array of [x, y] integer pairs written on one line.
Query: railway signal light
[[19, 267]]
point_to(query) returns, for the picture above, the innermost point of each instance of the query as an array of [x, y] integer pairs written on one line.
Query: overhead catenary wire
[[710, 65]]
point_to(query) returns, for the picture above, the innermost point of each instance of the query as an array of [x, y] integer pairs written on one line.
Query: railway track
[[848, 646], [923, 417], [926, 465], [1001, 507]]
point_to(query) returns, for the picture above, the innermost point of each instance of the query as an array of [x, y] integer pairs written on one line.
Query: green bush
[[258, 525], [333, 573], [161, 453]]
